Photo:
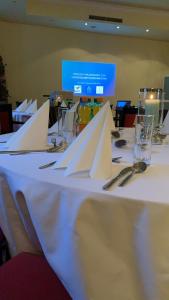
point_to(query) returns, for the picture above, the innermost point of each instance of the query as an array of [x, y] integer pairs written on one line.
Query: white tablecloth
[[103, 245]]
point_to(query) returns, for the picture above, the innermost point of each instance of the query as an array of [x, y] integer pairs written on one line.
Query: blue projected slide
[[88, 78]]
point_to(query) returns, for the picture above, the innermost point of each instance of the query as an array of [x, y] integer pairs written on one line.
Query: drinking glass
[[67, 125], [143, 138], [61, 118]]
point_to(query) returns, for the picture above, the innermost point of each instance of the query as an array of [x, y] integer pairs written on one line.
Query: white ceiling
[[137, 15]]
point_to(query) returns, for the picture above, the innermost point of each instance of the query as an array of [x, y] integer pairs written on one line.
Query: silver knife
[[47, 165]]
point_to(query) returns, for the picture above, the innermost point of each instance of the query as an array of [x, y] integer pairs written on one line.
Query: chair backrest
[[125, 116], [129, 120], [4, 249], [129, 116], [6, 118]]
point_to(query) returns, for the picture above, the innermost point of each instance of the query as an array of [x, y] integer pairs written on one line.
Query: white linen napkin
[[63, 104], [32, 108], [165, 129], [53, 128], [102, 164], [33, 134], [85, 153], [74, 107], [29, 102], [22, 107]]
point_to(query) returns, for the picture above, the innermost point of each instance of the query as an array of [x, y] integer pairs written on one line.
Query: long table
[[109, 245]]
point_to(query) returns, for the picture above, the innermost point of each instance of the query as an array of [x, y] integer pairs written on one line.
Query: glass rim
[[148, 120], [145, 116]]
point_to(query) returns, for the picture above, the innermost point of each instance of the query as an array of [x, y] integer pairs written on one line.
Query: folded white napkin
[[165, 128], [33, 134], [74, 107], [30, 102], [32, 108], [92, 150], [22, 107], [63, 104], [53, 128]]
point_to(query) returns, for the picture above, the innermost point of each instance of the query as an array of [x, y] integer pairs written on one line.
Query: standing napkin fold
[[74, 107], [33, 134], [165, 129], [102, 164], [53, 128], [22, 107], [32, 108], [85, 152], [63, 104], [30, 102]]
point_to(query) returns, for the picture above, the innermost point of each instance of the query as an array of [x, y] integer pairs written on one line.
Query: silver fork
[[57, 148]]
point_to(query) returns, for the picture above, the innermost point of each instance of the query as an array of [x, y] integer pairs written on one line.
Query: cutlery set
[[56, 148], [50, 164], [138, 167]]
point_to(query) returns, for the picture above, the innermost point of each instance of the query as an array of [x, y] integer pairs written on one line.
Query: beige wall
[[33, 55]]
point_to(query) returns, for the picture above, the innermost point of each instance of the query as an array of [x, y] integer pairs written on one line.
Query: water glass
[[143, 138], [67, 124], [61, 119]]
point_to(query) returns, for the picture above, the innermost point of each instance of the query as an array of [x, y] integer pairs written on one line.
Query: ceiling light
[[86, 23], [147, 30], [118, 27]]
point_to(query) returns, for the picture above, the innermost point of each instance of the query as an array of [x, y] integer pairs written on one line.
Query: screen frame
[[110, 88]]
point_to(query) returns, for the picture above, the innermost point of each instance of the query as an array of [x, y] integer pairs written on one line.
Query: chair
[[53, 115], [4, 250], [125, 116], [129, 116], [29, 277], [6, 125], [129, 120]]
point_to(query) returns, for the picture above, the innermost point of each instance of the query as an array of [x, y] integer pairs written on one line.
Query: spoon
[[114, 179], [138, 167]]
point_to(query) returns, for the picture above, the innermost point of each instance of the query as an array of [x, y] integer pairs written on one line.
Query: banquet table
[[111, 245]]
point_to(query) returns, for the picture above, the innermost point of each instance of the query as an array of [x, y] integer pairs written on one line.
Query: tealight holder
[[151, 102]]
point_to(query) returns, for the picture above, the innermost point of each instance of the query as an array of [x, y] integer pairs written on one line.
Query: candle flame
[[151, 96]]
